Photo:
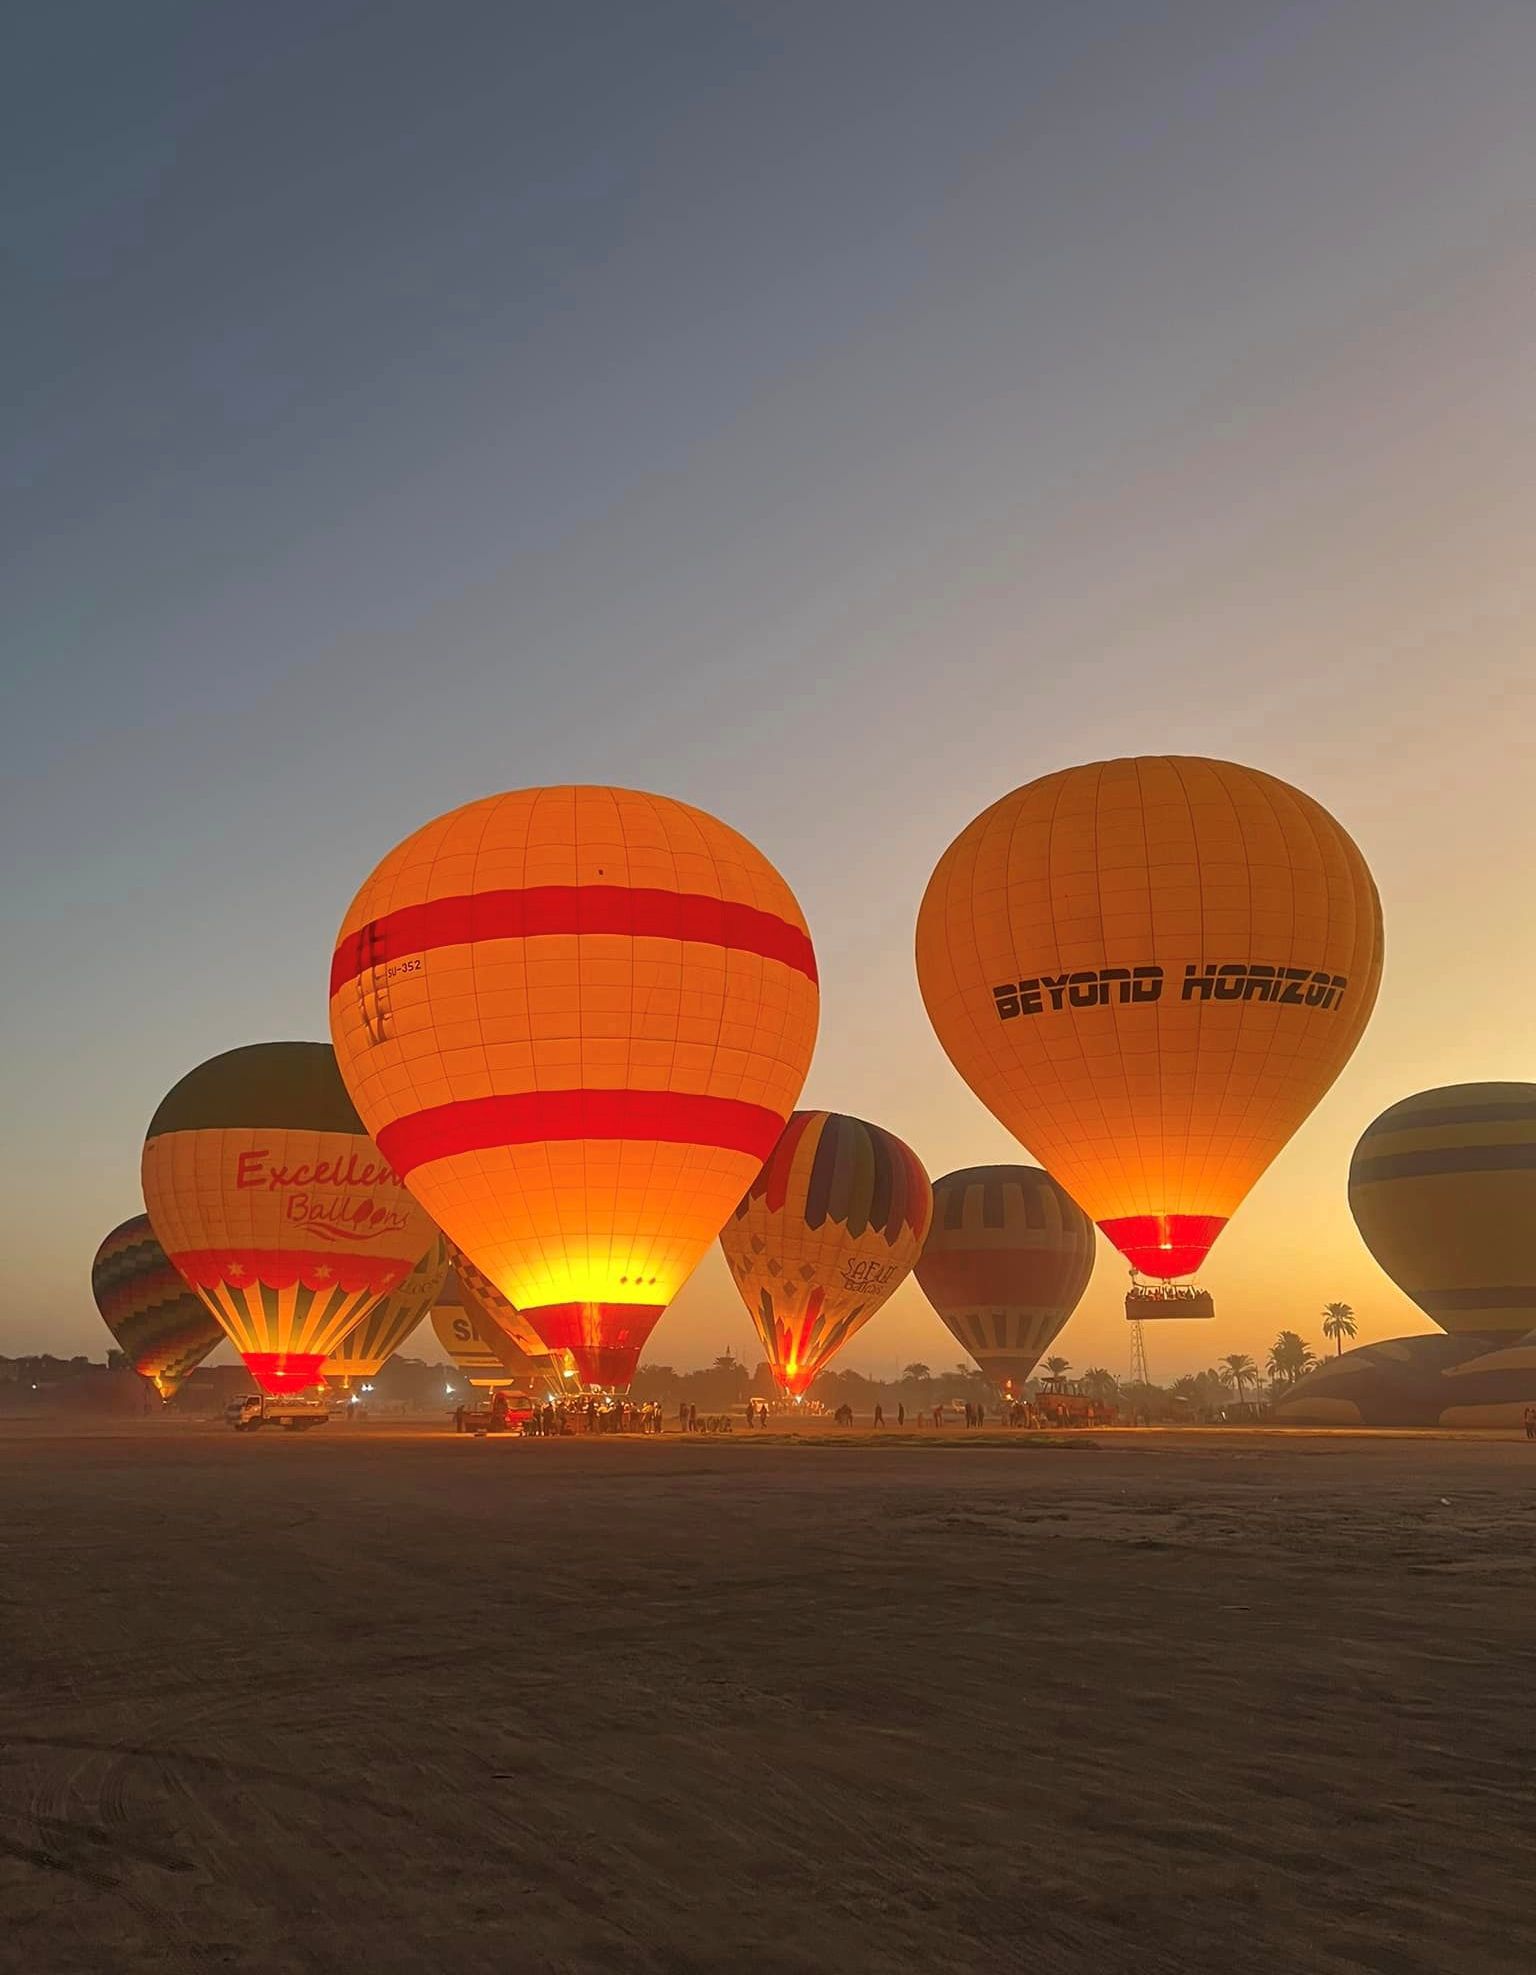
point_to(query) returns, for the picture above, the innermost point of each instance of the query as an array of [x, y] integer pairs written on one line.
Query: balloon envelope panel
[[1150, 971], [161, 1325], [1005, 1264], [505, 1330], [368, 1346], [1443, 1190], [484, 1361], [276, 1206], [576, 1019], [828, 1230], [1419, 1382]]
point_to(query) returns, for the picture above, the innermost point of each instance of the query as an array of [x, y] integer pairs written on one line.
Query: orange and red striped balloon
[[575, 1020]]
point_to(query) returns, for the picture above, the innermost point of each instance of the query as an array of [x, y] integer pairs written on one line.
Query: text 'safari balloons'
[[575, 1020], [826, 1232], [1005, 1264], [368, 1346], [1150, 971], [1443, 1190], [161, 1325], [274, 1203]]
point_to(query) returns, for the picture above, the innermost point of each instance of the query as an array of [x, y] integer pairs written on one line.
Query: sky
[[834, 414]]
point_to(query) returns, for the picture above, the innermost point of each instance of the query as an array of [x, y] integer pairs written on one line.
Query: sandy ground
[[377, 1701]]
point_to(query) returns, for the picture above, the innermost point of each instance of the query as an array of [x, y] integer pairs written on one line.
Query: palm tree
[[1289, 1356], [1338, 1323], [1100, 1384], [915, 1374], [1058, 1367], [1238, 1369]]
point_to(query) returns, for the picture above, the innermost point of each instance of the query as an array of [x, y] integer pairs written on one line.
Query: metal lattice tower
[[1139, 1373]]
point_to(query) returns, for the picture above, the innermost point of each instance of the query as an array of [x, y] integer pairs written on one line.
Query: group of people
[[974, 1415]]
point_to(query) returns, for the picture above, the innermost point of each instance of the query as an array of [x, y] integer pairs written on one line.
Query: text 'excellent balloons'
[[1150, 971], [827, 1231], [368, 1346], [161, 1326], [274, 1203], [576, 1019], [1443, 1190], [1005, 1264]]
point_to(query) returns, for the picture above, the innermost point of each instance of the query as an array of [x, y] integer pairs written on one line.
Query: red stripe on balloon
[[477, 1124], [637, 912]]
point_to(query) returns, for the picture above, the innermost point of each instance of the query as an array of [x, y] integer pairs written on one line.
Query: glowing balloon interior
[[576, 1019]]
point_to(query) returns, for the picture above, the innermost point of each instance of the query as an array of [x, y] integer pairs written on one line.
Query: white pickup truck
[[295, 1413]]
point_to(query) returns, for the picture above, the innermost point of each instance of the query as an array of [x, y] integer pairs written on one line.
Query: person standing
[[879, 1414], [693, 1419], [901, 1413]]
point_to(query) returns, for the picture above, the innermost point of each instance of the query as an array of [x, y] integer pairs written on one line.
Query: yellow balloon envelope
[[1443, 1190], [274, 1203], [1150, 971]]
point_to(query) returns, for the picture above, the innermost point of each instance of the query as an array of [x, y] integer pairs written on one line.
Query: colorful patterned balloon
[[827, 1231], [159, 1321]]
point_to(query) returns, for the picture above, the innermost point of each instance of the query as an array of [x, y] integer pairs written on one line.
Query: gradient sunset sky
[[832, 414]]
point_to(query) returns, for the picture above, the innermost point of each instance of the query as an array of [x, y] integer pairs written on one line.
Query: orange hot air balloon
[[272, 1201], [368, 1346], [828, 1230], [575, 1020], [160, 1324], [1150, 971]]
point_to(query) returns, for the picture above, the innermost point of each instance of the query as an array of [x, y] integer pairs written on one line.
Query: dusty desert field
[[386, 1701]]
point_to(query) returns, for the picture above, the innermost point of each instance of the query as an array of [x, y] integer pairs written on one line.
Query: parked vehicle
[[294, 1413]]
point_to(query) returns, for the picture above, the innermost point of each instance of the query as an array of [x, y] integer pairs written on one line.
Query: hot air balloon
[[1443, 1190], [160, 1324], [272, 1201], [506, 1330], [575, 1020], [486, 1360], [368, 1346], [1005, 1264], [1150, 971], [826, 1232]]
